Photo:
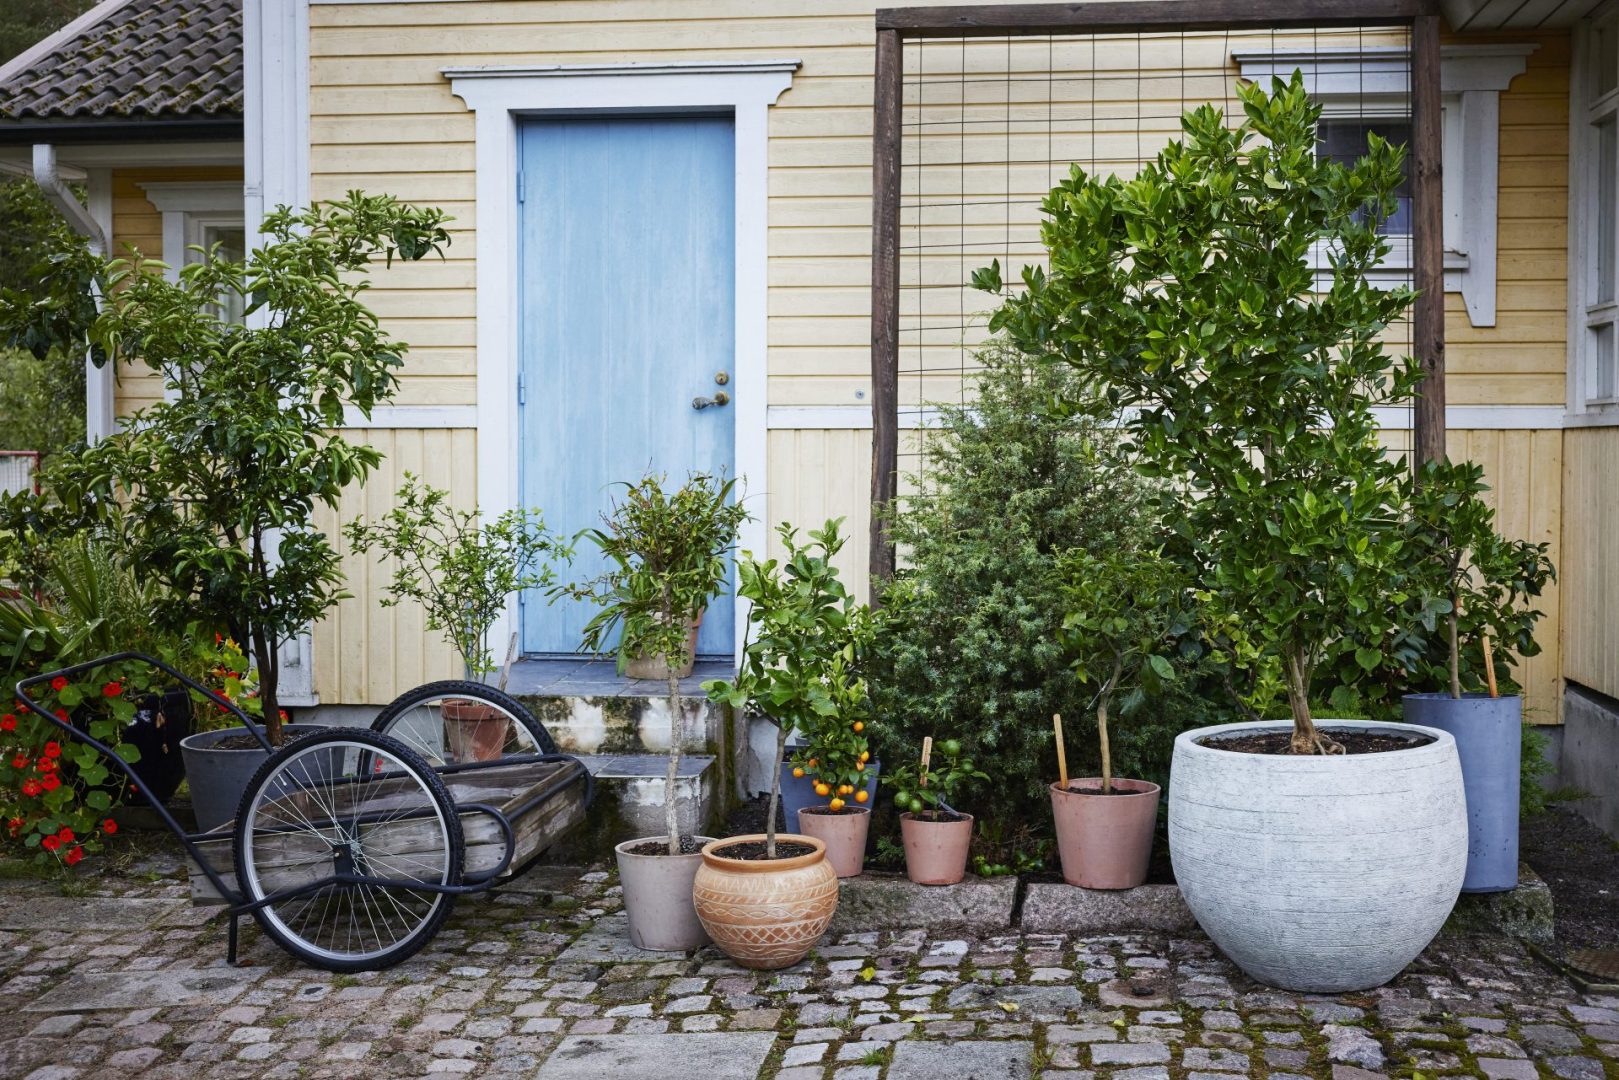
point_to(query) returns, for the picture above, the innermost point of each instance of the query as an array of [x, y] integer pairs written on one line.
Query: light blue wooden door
[[627, 305]]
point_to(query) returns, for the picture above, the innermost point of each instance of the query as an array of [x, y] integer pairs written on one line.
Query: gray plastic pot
[[1489, 738], [1314, 873], [218, 777], [657, 896]]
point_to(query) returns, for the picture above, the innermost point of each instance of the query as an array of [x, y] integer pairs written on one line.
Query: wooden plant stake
[[922, 775], [1062, 756], [1489, 667]]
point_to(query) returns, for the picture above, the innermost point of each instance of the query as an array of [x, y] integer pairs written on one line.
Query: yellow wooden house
[[680, 191]]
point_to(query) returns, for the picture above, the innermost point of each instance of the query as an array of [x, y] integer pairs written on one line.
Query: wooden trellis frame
[[895, 25]]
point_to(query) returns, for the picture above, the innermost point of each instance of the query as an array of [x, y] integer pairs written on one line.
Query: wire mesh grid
[[990, 125]]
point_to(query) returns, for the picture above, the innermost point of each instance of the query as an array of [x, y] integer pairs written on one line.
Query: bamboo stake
[[1489, 666], [927, 753], [1062, 756]]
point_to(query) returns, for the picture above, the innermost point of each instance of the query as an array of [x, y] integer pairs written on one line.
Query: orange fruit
[[798, 774], [865, 755], [860, 766], [813, 763], [845, 789], [836, 804], [861, 795], [822, 790], [860, 725]]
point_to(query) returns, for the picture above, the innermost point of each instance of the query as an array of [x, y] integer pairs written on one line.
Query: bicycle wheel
[[348, 804], [455, 722]]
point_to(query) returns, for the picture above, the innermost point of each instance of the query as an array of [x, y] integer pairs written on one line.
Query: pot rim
[[845, 812], [964, 819], [763, 866], [623, 852], [1471, 695], [238, 729], [1151, 790], [1187, 742]]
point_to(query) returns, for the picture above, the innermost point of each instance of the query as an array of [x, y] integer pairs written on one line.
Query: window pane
[[233, 248], [1606, 193], [1604, 59], [1604, 369], [1345, 141]]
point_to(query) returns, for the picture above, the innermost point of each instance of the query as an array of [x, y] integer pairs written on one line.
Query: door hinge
[[522, 389], [519, 187]]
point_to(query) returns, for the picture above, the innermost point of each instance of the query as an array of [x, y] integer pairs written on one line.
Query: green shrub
[[973, 647]]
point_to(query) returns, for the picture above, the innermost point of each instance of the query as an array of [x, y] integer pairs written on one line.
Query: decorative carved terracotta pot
[[765, 913]]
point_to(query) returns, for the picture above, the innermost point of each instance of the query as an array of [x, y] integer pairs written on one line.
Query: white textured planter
[[1320, 874]]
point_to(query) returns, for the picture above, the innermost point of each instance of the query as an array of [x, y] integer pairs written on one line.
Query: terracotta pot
[[1105, 841], [474, 731], [935, 851], [766, 914], [844, 834], [657, 897], [654, 667]]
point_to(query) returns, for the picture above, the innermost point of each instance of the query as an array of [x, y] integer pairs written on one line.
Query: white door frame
[[500, 97]]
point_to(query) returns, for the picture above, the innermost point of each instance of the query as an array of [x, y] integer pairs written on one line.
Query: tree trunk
[[1455, 653], [264, 655], [677, 738], [775, 792], [1101, 727], [1306, 739]]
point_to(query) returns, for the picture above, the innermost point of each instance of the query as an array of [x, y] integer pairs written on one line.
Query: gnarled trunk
[[1296, 676]]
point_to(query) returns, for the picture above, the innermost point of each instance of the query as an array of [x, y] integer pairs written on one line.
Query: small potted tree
[[1126, 611], [765, 899], [668, 554], [461, 573], [936, 835], [1480, 587], [1187, 293]]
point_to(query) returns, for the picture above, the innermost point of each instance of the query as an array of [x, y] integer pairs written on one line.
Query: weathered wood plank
[[885, 184], [998, 20]]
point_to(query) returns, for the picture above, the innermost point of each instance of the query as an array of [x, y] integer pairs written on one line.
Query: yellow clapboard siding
[[1590, 566], [816, 475]]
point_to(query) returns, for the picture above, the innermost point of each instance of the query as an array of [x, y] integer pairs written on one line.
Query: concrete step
[[590, 709], [629, 801]]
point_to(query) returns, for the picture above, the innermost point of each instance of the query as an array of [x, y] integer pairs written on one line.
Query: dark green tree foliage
[[25, 22], [973, 649], [1187, 294]]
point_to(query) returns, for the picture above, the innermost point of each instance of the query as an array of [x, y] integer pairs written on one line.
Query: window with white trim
[[1594, 232], [196, 216]]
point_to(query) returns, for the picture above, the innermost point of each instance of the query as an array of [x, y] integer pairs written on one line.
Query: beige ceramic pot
[[1105, 841], [474, 731], [654, 667], [936, 851], [765, 914], [844, 834]]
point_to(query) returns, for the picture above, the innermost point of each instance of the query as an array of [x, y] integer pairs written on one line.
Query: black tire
[[292, 771], [404, 715]]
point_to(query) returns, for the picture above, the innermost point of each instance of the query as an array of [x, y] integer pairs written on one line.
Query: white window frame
[[1585, 409], [1372, 83]]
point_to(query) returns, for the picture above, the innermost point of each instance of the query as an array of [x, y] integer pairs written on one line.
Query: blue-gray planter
[[799, 792], [1489, 740]]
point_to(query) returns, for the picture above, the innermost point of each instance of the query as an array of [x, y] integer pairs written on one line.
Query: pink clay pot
[[1105, 841], [935, 851], [844, 834]]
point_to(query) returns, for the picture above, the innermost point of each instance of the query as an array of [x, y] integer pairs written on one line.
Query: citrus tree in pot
[[1473, 595], [1128, 612], [219, 482], [1319, 858], [462, 573], [668, 553], [936, 836]]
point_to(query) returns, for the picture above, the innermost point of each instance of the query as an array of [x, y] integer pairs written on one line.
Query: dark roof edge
[[13, 133]]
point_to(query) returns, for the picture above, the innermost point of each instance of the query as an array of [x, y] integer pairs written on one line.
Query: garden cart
[[351, 845]]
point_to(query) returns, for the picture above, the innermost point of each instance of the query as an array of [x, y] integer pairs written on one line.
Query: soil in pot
[[1280, 742], [844, 832], [756, 850], [220, 763], [765, 913], [657, 893]]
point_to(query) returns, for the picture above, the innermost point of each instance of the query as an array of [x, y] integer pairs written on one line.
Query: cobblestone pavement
[[132, 982]]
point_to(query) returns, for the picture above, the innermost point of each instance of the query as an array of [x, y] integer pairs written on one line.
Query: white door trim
[[500, 97]]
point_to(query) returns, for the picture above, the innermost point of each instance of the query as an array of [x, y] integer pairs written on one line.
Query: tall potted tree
[[668, 553], [1189, 296], [765, 899], [1480, 588], [462, 573], [219, 481], [1127, 610]]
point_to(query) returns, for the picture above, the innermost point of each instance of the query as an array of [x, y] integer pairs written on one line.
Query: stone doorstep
[[629, 794]]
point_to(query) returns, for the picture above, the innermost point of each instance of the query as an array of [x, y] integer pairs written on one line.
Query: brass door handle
[[719, 399]]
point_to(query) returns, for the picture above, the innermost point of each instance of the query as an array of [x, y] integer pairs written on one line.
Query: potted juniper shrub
[[1324, 856], [1127, 615], [461, 572], [936, 835], [668, 553], [1480, 587], [766, 899]]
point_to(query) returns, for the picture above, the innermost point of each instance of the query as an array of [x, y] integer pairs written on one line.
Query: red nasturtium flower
[[30, 788], [19, 762], [113, 689], [61, 714], [53, 749], [51, 843], [59, 683], [109, 826], [45, 765], [14, 826], [65, 835], [72, 857], [8, 722], [51, 782]]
